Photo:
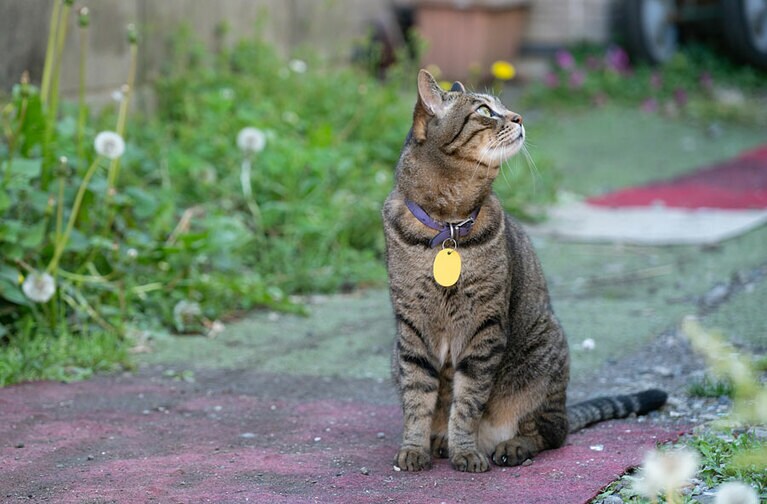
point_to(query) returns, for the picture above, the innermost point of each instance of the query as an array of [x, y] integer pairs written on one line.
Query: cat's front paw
[[470, 461], [513, 452], [411, 458]]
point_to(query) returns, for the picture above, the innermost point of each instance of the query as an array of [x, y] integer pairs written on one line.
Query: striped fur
[[481, 367]]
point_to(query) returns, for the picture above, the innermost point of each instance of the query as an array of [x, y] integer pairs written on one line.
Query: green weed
[[183, 227], [710, 387]]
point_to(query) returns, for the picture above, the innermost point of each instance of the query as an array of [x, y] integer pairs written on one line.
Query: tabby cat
[[481, 364]]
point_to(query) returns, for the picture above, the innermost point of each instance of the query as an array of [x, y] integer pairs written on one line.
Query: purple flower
[[680, 97], [617, 59], [565, 59], [706, 82], [656, 80], [650, 105], [577, 78], [551, 80]]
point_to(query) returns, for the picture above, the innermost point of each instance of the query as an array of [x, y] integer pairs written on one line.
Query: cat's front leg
[[418, 379], [472, 384]]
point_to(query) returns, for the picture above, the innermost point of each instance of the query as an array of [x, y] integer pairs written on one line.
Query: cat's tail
[[606, 408]]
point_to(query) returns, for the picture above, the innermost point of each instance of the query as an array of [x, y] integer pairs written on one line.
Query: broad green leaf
[[33, 236]]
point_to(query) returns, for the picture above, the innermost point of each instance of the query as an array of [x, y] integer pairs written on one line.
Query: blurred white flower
[[666, 471], [39, 287], [251, 140], [109, 144], [588, 344], [297, 65], [186, 313], [227, 93], [290, 117], [131, 253], [736, 492], [117, 95], [215, 328]]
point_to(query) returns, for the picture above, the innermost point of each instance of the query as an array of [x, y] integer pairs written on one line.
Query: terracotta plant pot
[[465, 37]]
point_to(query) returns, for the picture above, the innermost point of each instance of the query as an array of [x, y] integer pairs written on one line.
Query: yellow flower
[[503, 70], [446, 85]]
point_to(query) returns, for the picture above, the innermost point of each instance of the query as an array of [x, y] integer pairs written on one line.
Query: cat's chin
[[501, 153]]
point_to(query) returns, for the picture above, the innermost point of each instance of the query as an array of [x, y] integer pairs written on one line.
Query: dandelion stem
[[247, 191], [61, 243], [83, 112], [53, 102], [114, 165], [60, 208], [52, 31]]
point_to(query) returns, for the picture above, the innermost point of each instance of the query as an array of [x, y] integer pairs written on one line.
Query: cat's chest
[[448, 316]]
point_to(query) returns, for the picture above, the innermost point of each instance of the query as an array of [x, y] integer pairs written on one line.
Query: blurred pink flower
[[593, 63], [680, 97], [577, 78], [706, 82], [617, 59], [551, 80], [650, 105], [656, 80], [565, 59]]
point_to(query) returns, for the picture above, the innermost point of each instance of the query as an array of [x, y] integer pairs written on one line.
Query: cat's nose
[[516, 118]]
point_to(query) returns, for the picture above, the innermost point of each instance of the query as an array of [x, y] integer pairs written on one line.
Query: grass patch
[[65, 357], [711, 387], [725, 456]]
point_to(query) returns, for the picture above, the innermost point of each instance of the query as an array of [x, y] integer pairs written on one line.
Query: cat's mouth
[[510, 144]]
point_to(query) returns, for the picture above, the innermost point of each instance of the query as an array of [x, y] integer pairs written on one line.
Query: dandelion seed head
[[736, 492], [251, 140], [109, 144], [39, 287], [666, 471], [298, 66]]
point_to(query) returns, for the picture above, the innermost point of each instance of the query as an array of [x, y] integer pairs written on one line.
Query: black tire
[[650, 37], [745, 30]]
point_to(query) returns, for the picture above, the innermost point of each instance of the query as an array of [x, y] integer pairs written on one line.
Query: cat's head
[[473, 127]]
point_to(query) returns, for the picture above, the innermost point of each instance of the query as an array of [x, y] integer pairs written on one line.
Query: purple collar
[[447, 230]]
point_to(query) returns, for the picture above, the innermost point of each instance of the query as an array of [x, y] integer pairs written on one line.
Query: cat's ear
[[431, 102], [430, 95], [457, 86]]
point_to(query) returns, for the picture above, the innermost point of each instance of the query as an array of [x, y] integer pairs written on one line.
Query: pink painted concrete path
[[249, 437]]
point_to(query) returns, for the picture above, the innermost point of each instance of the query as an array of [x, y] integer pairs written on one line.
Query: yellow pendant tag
[[447, 267]]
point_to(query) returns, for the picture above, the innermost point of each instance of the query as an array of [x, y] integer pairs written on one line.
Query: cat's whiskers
[[489, 149]]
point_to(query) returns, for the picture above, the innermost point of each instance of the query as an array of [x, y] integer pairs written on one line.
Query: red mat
[[144, 439], [739, 183]]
